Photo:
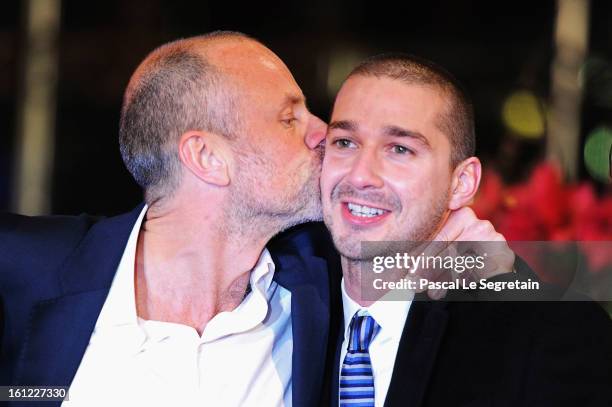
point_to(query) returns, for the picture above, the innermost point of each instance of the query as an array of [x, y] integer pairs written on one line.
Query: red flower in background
[[546, 198], [545, 208]]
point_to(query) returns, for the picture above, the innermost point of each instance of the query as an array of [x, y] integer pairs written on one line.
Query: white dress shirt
[[242, 358], [391, 316]]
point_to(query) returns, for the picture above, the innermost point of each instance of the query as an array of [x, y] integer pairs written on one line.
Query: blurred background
[[539, 73]]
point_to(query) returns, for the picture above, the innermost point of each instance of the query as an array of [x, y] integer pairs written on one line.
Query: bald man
[[179, 302]]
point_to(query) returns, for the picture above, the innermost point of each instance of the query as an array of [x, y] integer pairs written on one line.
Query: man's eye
[[343, 143], [289, 122], [401, 149]]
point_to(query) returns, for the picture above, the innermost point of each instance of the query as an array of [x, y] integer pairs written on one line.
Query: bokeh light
[[523, 114], [598, 154]]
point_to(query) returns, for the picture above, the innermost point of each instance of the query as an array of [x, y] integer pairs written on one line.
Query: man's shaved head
[[180, 86]]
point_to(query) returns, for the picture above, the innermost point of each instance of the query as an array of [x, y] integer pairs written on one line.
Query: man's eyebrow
[[293, 99], [396, 131], [347, 125]]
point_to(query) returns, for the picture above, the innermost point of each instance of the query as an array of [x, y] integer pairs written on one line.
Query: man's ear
[[204, 155], [464, 183]]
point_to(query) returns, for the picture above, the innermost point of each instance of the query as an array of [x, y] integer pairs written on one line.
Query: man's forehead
[[248, 58], [257, 72], [383, 89], [383, 108], [383, 102], [265, 77], [270, 91]]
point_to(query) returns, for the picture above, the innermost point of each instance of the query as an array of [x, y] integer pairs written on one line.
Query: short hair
[[175, 89], [457, 122]]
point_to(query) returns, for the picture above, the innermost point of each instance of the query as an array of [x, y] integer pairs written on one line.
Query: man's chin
[[365, 247], [348, 247]]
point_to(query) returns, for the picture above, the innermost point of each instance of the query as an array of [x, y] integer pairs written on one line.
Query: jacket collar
[[305, 276]]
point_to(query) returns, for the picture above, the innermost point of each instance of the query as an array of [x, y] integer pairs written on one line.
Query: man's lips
[[361, 214]]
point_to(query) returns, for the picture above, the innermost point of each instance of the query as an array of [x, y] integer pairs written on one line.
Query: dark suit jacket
[[521, 353], [55, 274]]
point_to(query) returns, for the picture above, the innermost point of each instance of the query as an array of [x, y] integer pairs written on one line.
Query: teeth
[[364, 211]]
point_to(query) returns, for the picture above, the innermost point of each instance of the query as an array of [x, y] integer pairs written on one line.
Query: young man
[[399, 161]]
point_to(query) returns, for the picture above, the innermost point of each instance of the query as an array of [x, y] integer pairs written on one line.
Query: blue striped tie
[[356, 378]]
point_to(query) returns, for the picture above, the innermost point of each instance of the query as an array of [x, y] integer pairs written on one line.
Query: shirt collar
[[389, 314], [120, 305], [253, 309], [263, 272]]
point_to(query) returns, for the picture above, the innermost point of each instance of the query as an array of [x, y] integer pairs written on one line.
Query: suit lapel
[[59, 333], [306, 277], [335, 368], [60, 328], [417, 352]]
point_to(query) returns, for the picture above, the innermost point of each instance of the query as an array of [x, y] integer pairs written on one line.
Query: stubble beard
[[251, 211], [350, 247]]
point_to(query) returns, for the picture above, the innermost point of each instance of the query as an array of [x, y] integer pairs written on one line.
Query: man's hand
[[477, 237]]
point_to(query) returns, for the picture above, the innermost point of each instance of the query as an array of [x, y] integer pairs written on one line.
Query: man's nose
[[315, 132], [364, 171]]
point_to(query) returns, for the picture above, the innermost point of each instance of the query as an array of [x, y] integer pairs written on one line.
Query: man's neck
[[351, 271], [190, 267]]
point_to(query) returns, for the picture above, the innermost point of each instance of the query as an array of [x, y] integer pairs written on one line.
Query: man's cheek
[[327, 180], [332, 173]]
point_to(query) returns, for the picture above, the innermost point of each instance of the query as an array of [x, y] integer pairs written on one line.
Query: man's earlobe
[[464, 183], [203, 154]]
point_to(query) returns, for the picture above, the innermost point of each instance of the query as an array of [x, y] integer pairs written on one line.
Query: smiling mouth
[[361, 214], [364, 210]]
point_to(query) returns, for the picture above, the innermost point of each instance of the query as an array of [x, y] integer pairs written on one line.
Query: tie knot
[[363, 329]]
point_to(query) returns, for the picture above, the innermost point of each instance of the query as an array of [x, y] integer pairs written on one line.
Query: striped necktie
[[356, 378]]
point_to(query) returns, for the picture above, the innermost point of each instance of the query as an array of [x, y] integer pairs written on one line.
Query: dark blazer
[[55, 274], [520, 353]]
